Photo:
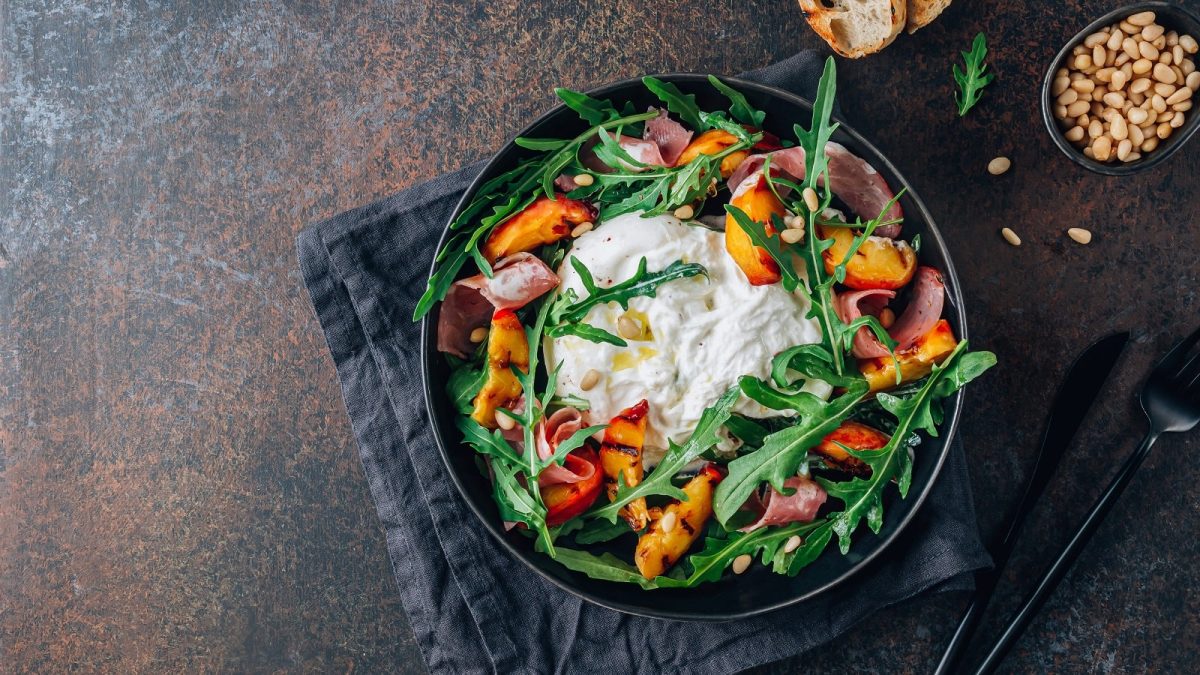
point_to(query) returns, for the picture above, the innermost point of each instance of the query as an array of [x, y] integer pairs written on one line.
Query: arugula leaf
[[749, 431], [976, 77], [739, 108], [765, 543], [919, 411], [490, 443], [784, 451], [658, 482], [464, 383], [642, 283], [572, 401], [812, 361], [677, 102], [540, 143], [587, 332], [591, 110], [609, 151], [597, 531], [605, 567], [520, 504]]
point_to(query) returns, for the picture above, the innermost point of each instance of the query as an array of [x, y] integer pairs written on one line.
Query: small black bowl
[[1172, 17], [758, 590]]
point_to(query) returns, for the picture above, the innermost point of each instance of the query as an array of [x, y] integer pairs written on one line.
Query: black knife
[[1085, 379]]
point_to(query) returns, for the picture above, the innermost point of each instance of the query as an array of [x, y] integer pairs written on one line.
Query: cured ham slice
[[923, 311], [799, 507], [851, 178], [670, 136], [552, 431], [469, 304]]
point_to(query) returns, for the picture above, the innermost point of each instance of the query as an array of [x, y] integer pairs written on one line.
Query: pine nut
[[1060, 111], [1084, 86], [793, 542], [1010, 236], [581, 229], [1129, 29], [1094, 39], [1130, 47], [1133, 157], [1099, 55], [1179, 96], [1164, 90], [1102, 148], [1136, 135], [1137, 115], [1151, 32], [1095, 129], [1164, 74], [1080, 235], [1122, 60], [1087, 152], [668, 521], [590, 379], [685, 212], [504, 421], [1176, 54], [1158, 103], [1160, 43], [1104, 76], [1062, 72], [1165, 116], [1176, 121], [1060, 85], [478, 335], [811, 201], [1078, 108], [1083, 61], [1113, 98], [999, 165], [1074, 134], [1189, 44], [1192, 81], [1148, 51], [741, 562], [1118, 128], [1140, 85], [1182, 107], [1164, 130], [1141, 19], [628, 328], [1114, 40], [1172, 38], [1150, 144], [584, 179], [1124, 148], [1138, 99], [887, 318], [792, 236], [1118, 80]]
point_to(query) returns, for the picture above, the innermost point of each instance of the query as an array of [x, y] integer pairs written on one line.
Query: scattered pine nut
[[811, 200], [999, 165], [590, 379], [628, 328], [581, 229], [887, 317], [793, 542], [504, 421], [741, 562], [668, 521], [478, 335], [792, 236], [685, 212], [1010, 236], [584, 179], [1080, 235]]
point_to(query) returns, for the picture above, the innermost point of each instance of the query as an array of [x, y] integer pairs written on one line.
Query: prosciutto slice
[[552, 431], [923, 311], [470, 302], [799, 507], [851, 178], [661, 144]]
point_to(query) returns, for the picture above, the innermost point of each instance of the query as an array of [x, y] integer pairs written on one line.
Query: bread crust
[[822, 19], [921, 13]]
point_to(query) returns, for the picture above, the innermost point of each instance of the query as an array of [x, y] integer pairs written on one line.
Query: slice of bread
[[855, 28], [921, 13]]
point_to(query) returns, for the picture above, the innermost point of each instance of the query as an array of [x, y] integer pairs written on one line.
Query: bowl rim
[[946, 433], [1156, 157]]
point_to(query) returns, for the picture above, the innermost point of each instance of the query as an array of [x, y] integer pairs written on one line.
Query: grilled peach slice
[[507, 346], [759, 203], [878, 263], [545, 221], [621, 456], [854, 435], [661, 547], [713, 142], [915, 362]]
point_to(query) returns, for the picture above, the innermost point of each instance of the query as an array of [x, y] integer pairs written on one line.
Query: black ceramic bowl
[[1171, 16], [758, 590]]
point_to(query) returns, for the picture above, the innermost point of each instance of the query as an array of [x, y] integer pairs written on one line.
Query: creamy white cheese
[[699, 335]]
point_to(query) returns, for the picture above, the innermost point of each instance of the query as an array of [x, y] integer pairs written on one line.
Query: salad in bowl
[[681, 346]]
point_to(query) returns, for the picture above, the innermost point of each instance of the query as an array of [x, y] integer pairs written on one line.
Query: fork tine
[[1175, 357]]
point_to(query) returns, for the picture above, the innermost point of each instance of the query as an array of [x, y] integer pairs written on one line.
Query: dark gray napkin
[[473, 607]]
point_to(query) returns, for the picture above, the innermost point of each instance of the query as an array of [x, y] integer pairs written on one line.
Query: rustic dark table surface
[[179, 485]]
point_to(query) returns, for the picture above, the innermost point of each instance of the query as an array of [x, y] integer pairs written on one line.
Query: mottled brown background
[[179, 486]]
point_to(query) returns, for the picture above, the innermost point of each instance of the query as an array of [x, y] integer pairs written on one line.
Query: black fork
[[1171, 400]]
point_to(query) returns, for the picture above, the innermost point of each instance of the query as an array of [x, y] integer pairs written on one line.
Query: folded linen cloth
[[475, 608]]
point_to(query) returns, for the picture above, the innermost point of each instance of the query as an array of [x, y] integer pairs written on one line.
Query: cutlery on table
[[1171, 401], [1085, 378]]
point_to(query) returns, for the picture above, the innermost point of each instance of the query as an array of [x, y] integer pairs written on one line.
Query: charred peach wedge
[[853, 435], [507, 346], [713, 142], [621, 458], [759, 203], [879, 263], [915, 362], [545, 221], [681, 523]]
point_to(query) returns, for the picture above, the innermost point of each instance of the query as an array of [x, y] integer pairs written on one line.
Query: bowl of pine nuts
[[1117, 99]]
